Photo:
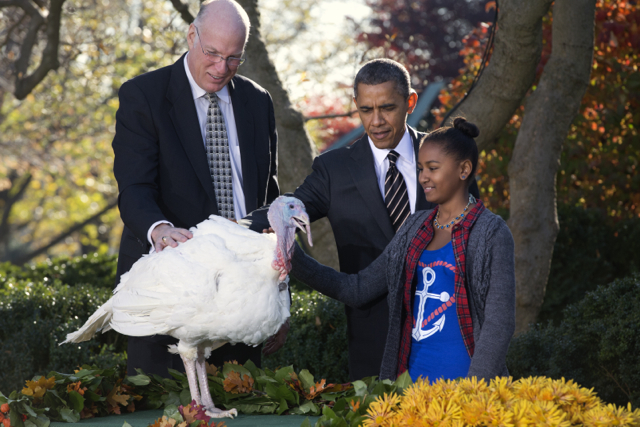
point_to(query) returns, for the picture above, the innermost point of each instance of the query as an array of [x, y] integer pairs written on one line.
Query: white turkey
[[225, 285]]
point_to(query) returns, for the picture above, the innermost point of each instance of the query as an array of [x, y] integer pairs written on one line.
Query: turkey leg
[[190, 367], [207, 401]]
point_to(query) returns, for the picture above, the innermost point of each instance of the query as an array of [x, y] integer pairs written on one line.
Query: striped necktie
[[395, 193], [217, 146]]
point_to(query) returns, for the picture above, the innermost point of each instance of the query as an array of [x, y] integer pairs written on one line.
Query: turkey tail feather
[[98, 321]]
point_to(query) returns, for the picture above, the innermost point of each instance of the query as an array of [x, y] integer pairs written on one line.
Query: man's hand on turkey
[[276, 342], [165, 235]]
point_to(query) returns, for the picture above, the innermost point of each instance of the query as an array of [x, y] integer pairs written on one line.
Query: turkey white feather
[[227, 284]]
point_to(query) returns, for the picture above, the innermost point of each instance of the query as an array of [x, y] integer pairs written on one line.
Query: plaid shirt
[[422, 238]]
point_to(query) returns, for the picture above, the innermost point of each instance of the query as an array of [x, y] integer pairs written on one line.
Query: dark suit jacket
[[160, 162], [343, 187]]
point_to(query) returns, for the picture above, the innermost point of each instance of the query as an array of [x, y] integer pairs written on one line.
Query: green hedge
[[591, 250], [39, 305], [317, 340], [96, 270], [596, 344]]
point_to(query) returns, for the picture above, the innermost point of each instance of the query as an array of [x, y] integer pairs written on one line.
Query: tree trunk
[[549, 112], [511, 71], [296, 151]]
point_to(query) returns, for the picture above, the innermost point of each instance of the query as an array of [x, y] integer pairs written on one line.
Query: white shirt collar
[[404, 148], [198, 92]]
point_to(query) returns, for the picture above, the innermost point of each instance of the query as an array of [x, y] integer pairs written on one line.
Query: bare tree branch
[[183, 10], [49, 61], [330, 116], [21, 259]]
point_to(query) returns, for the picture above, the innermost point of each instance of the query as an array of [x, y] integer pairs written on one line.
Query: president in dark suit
[[192, 139], [367, 190]]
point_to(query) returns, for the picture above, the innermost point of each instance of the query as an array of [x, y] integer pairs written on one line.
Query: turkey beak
[[302, 222]]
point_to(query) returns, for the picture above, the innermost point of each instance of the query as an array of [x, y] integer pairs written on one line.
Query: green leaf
[[76, 400], [185, 397], [306, 379], [68, 415], [264, 379], [139, 380], [403, 381], [283, 406], [379, 389], [41, 421], [360, 388], [271, 390], [85, 372], [93, 397], [283, 374], [171, 399], [308, 407], [172, 411], [177, 375], [306, 423], [14, 416], [126, 424], [253, 369], [26, 408]]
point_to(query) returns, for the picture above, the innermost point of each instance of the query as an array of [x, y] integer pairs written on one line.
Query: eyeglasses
[[214, 58]]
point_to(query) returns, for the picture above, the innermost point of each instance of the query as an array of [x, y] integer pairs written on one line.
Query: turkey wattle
[[225, 285]]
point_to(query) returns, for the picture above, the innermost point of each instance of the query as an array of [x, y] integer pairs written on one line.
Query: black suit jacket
[[160, 162], [162, 173], [343, 187]]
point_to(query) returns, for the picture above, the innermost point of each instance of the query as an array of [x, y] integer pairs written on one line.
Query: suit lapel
[[421, 200], [363, 173], [246, 140], [185, 121]]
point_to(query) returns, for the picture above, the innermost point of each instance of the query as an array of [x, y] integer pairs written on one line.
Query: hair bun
[[467, 128]]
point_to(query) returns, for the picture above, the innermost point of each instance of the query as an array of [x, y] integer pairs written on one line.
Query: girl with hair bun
[[449, 273]]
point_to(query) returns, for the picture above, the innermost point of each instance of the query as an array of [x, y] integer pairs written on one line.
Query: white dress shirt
[[406, 164], [226, 107]]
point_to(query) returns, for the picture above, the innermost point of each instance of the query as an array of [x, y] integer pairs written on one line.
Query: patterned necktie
[[395, 193], [217, 146]]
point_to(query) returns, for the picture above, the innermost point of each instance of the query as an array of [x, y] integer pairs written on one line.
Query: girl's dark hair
[[457, 140]]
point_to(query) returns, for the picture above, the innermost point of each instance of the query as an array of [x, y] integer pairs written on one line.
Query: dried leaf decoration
[[236, 385], [89, 412], [38, 388], [211, 369], [167, 422], [115, 398]]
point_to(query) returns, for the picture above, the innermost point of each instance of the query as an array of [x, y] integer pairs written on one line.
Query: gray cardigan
[[490, 282]]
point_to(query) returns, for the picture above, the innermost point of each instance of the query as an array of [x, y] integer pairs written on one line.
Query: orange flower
[[6, 422], [76, 387], [5, 408]]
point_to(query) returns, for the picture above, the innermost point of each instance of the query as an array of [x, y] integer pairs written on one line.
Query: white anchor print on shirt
[[428, 277]]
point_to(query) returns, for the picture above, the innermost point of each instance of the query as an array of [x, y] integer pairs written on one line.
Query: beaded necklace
[[442, 227]]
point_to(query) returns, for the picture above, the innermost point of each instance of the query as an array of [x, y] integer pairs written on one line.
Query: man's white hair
[[240, 12]]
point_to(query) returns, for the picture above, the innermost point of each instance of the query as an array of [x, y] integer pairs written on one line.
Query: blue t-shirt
[[437, 347]]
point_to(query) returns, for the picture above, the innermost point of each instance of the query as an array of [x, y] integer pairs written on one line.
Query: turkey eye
[[290, 206]]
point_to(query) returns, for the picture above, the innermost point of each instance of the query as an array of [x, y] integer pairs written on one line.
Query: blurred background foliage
[[57, 191]]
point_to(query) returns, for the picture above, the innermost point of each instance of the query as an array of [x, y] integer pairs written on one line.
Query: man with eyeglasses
[[193, 139]]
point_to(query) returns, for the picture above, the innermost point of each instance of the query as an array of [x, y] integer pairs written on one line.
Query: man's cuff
[[154, 225]]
